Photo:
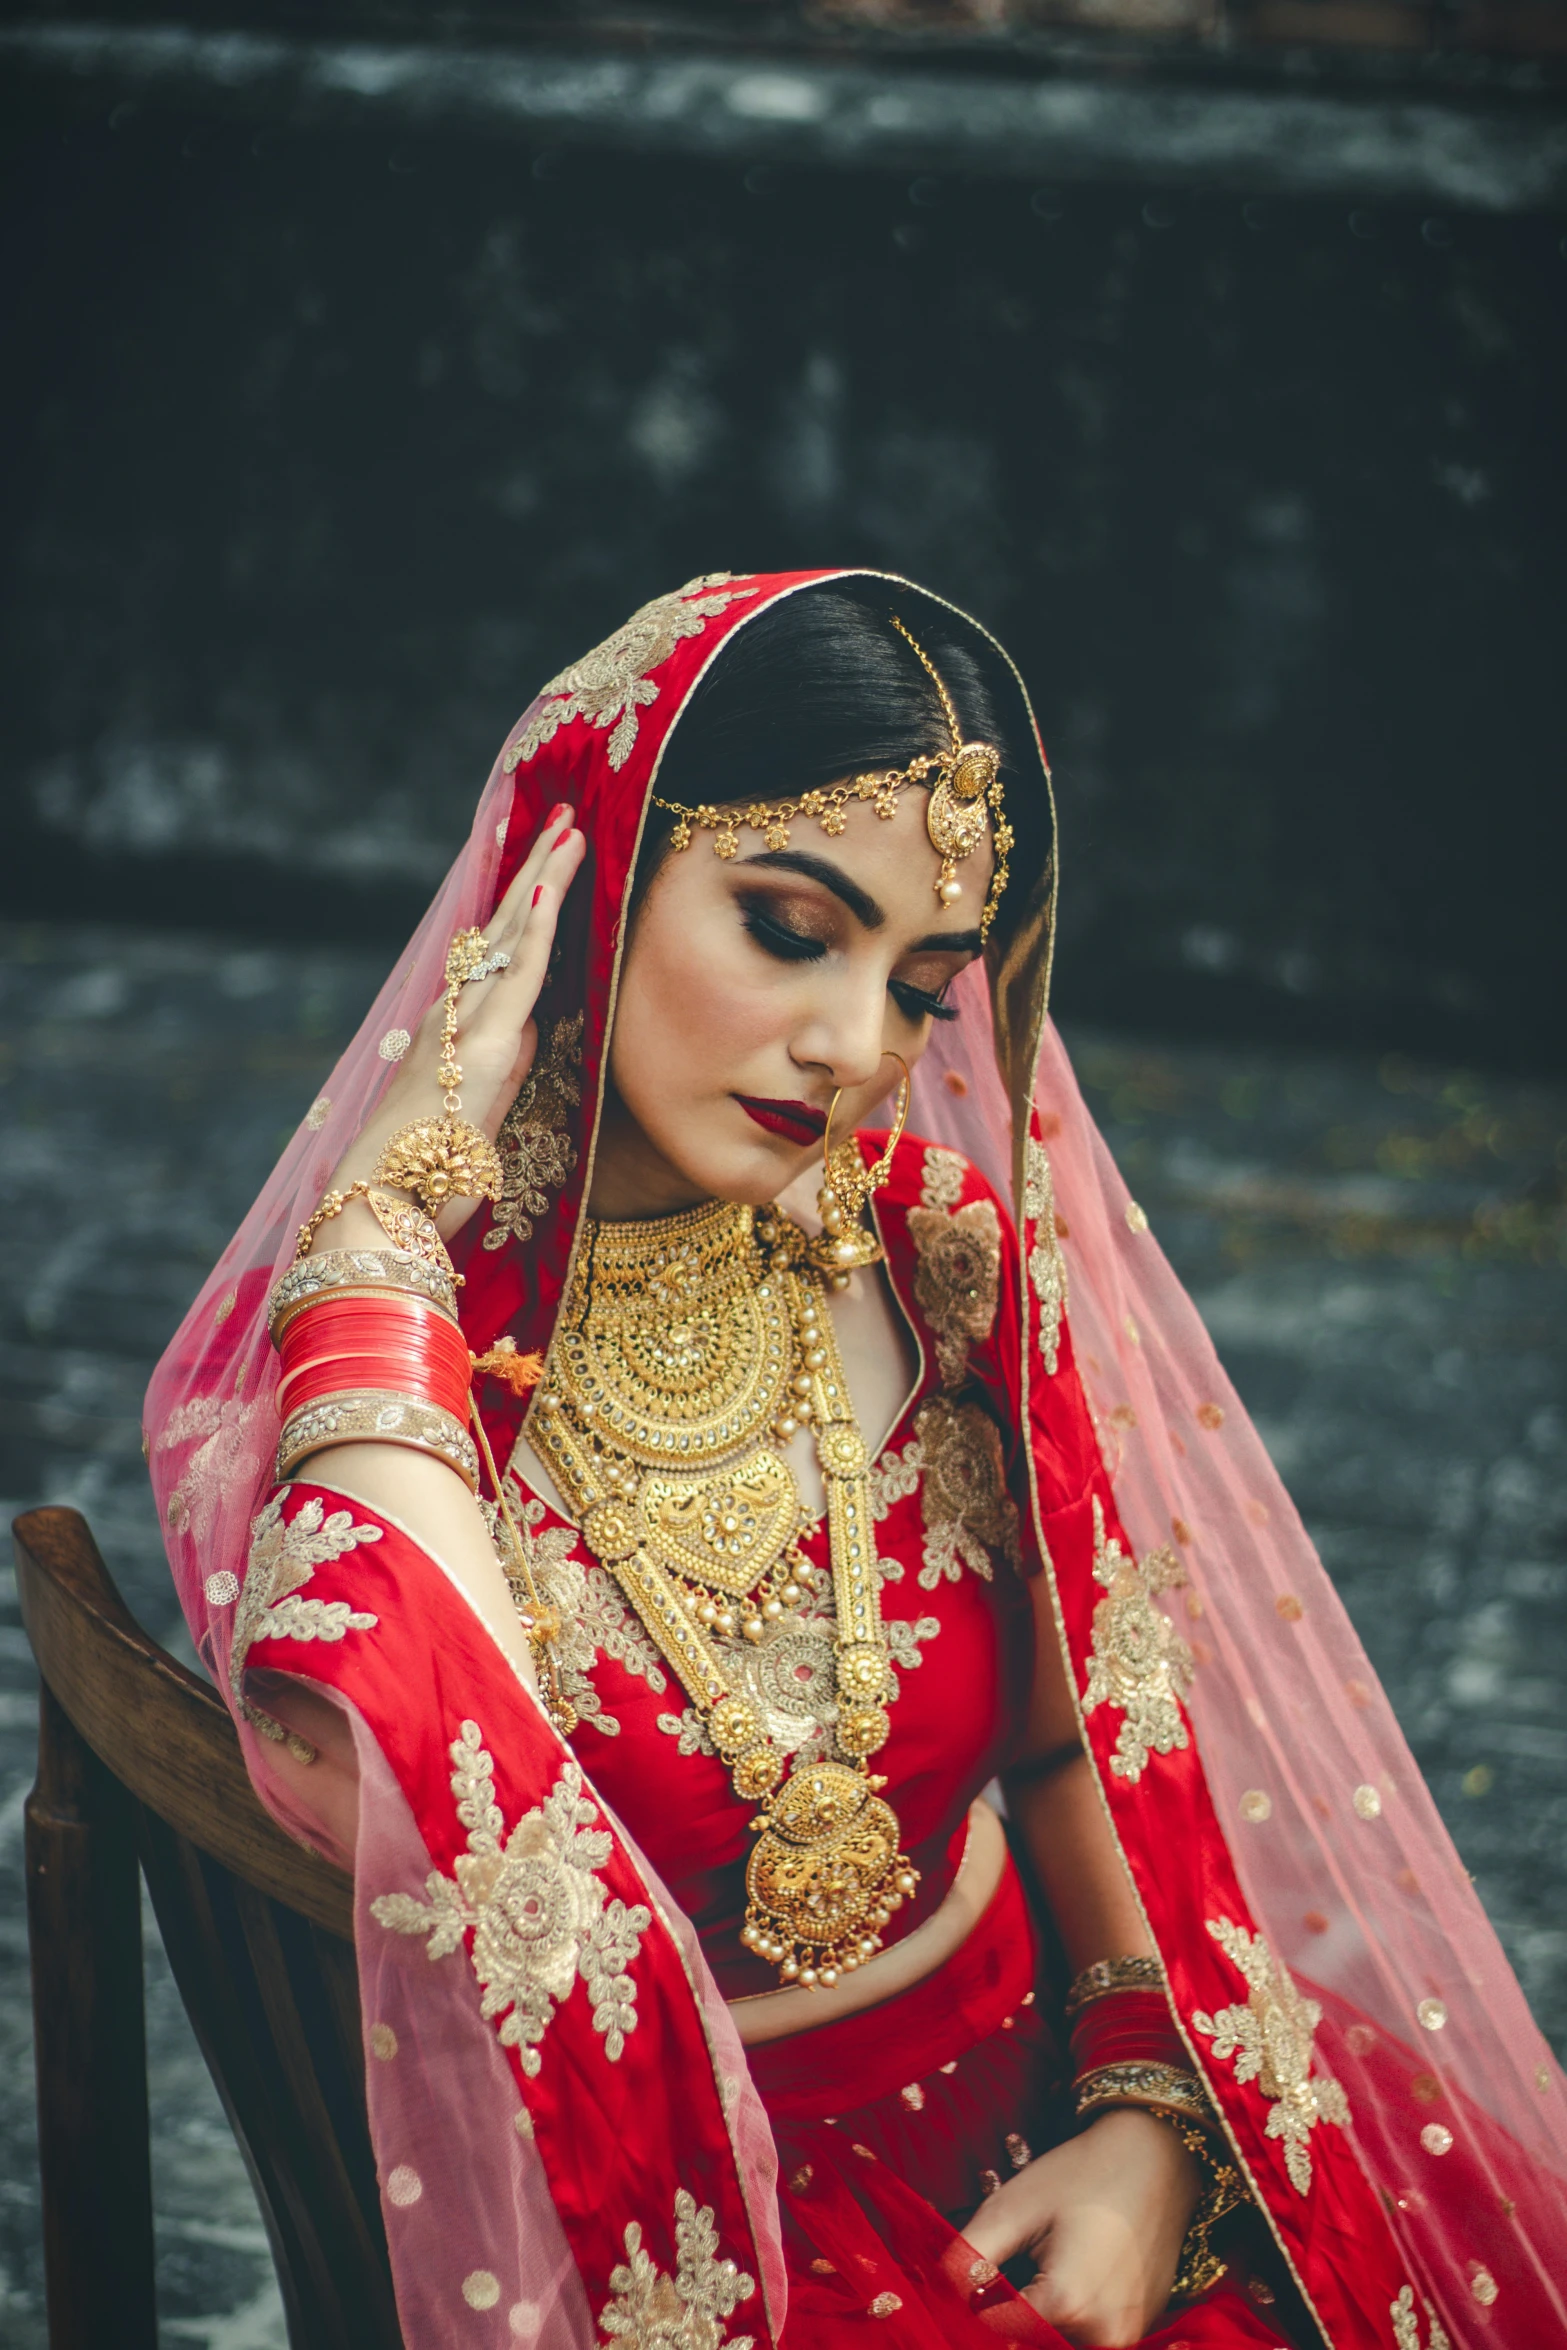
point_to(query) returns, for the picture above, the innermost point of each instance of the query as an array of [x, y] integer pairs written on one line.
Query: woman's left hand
[[1103, 2217]]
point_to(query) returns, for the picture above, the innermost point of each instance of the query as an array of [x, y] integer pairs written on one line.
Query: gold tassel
[[521, 1373]]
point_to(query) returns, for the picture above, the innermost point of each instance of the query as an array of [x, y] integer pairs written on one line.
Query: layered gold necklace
[[689, 1349]]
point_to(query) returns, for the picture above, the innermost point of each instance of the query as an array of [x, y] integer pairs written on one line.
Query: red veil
[[568, 2140]]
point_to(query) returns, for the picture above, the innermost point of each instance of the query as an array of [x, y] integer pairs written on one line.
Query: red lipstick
[[794, 1122]]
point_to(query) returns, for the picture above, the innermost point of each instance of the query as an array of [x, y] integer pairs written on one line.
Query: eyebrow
[[948, 942], [860, 903]]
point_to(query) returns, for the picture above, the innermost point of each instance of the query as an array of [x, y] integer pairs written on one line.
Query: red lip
[[794, 1122]]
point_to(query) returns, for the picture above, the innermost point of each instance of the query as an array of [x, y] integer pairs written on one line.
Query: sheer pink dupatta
[[1339, 1848], [478, 2250]]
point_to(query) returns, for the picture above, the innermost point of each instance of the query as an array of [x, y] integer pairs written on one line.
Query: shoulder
[[932, 1178], [951, 1250]]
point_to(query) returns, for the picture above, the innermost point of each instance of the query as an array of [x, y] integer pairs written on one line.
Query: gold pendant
[[727, 1532], [681, 1341], [824, 1876]]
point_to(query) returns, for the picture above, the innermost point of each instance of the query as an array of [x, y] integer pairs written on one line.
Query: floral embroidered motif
[[231, 1453], [895, 1476], [1270, 2039], [1406, 2324], [690, 1730], [1046, 1265], [650, 2310], [536, 1150], [539, 1915], [791, 1678], [611, 684], [283, 1558], [595, 1618], [904, 1638], [957, 1278], [967, 1510], [1138, 1662], [941, 1184]]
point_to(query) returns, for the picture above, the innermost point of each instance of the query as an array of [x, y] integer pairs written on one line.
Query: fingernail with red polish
[[555, 815], [538, 893]]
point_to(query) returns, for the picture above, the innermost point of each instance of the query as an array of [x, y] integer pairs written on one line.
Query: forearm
[[1055, 1801], [1060, 1815], [430, 1502]]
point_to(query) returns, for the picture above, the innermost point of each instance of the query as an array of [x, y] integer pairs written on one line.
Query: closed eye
[[787, 945], [916, 1004], [776, 938]]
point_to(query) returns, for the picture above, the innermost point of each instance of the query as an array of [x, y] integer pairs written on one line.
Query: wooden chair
[[139, 1767]]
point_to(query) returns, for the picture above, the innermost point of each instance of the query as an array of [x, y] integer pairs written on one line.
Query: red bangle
[[392, 1344], [1127, 2027]]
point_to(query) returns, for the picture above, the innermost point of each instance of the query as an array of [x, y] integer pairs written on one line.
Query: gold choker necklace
[[686, 1350]]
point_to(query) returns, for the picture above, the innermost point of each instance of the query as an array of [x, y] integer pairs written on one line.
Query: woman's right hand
[[496, 1033]]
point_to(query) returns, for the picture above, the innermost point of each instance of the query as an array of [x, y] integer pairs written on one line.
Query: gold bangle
[[370, 1415], [1108, 1975], [1199, 2267], [370, 1271], [405, 1224], [1161, 2088]]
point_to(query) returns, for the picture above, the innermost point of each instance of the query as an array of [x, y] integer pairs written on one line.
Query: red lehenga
[[573, 2146]]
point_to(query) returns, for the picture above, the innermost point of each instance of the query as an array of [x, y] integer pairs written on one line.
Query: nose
[[844, 1035]]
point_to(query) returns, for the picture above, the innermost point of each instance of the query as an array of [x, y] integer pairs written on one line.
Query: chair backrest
[[139, 1762]]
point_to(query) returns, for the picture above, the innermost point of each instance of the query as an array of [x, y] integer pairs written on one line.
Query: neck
[[632, 1179]]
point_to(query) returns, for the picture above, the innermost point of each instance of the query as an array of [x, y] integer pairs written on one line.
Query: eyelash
[[789, 946]]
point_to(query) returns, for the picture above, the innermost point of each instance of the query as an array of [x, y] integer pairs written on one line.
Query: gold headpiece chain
[[967, 779]]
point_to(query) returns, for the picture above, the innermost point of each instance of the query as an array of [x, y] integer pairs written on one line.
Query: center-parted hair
[[821, 686]]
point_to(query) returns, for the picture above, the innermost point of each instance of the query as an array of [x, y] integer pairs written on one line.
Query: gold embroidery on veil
[[611, 684], [1138, 1661], [1270, 2039], [1406, 2324], [536, 1152], [539, 1914], [651, 2310], [283, 1558], [1046, 1265]]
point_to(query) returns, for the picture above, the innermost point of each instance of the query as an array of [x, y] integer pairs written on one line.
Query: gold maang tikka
[[965, 802]]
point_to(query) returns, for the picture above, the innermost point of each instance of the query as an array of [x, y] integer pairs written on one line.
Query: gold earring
[[845, 1245]]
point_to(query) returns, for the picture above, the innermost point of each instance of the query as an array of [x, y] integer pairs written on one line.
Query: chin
[[749, 1173]]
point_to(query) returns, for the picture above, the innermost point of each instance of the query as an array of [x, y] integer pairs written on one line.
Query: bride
[[693, 1410]]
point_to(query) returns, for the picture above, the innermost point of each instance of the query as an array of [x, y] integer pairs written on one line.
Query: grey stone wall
[[342, 425]]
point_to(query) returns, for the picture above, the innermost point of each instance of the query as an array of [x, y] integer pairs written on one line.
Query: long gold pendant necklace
[[683, 1346]]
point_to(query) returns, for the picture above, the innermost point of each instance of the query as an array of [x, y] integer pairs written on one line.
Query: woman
[[824, 1462]]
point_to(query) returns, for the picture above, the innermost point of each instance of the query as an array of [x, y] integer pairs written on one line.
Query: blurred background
[[365, 362]]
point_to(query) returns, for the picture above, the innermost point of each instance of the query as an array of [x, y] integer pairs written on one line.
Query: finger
[[991, 2236], [519, 894], [533, 937], [556, 876]]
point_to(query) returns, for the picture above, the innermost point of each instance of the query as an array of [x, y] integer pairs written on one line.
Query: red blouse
[[960, 1624]]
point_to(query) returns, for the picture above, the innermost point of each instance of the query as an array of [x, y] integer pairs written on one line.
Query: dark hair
[[821, 686]]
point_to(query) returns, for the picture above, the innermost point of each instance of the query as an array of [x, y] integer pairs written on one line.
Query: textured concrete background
[[337, 438], [1379, 1249]]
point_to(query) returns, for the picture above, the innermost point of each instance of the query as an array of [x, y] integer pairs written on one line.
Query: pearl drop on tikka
[[949, 892]]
